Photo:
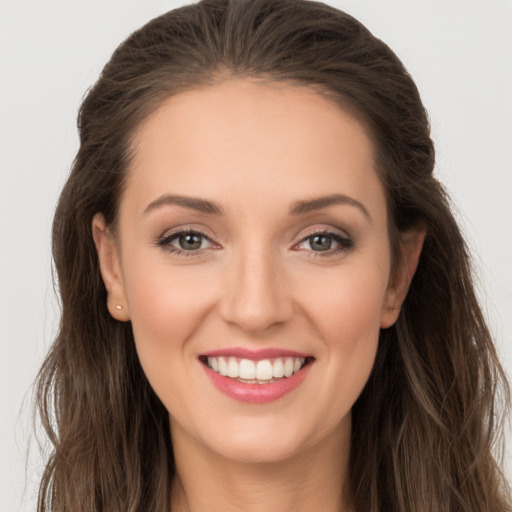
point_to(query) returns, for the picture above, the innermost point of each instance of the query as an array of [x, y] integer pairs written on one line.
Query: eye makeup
[[319, 242], [186, 242]]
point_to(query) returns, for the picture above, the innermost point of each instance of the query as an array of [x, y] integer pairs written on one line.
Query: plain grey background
[[458, 51]]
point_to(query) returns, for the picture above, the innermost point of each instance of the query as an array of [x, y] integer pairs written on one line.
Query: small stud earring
[[119, 307]]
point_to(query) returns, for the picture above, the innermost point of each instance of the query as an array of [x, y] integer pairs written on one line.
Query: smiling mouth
[[263, 371]]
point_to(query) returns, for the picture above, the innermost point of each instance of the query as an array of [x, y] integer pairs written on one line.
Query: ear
[[110, 268], [411, 243]]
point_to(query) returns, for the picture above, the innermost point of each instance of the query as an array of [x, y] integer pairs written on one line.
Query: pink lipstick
[[256, 376], [243, 353]]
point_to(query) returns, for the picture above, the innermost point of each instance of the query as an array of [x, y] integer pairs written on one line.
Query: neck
[[310, 480]]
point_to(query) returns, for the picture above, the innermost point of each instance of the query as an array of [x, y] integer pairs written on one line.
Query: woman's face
[[253, 232]]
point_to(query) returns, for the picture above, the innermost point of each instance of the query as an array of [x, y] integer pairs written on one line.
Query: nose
[[255, 297]]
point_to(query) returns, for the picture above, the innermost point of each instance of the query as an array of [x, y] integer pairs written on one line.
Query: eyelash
[[165, 242], [344, 243]]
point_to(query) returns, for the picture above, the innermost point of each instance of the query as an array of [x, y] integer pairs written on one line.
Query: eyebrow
[[299, 208], [194, 203], [318, 203]]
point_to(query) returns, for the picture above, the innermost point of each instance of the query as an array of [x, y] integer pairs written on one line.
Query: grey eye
[[190, 241], [320, 242], [187, 243]]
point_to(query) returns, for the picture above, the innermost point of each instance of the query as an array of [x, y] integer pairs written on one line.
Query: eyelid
[[342, 238], [324, 229], [164, 240], [184, 229]]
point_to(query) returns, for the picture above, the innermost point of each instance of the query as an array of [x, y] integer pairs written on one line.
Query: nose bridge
[[255, 298]]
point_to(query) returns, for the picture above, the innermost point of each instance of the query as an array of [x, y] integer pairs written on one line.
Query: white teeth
[[278, 369], [288, 367], [261, 372], [213, 362], [247, 369], [223, 366], [232, 368], [264, 370]]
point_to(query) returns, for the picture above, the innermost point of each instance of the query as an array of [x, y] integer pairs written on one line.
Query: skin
[[258, 281]]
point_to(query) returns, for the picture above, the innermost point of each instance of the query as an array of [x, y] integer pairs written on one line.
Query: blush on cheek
[[167, 309], [349, 316], [350, 307]]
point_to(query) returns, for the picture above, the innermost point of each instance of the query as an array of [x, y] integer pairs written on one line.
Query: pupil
[[190, 242], [321, 243]]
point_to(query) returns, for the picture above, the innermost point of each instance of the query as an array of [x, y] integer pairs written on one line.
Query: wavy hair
[[426, 425]]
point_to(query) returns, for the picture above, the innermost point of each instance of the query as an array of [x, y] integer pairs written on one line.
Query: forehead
[[241, 135]]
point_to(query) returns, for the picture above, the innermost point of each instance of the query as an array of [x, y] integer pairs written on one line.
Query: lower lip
[[256, 393]]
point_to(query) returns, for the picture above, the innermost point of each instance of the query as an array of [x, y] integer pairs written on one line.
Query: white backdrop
[[458, 51]]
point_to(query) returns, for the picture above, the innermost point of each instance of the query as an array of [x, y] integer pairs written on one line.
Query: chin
[[260, 440], [260, 449]]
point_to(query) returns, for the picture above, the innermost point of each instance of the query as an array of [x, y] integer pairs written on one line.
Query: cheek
[[348, 305], [346, 314], [166, 310]]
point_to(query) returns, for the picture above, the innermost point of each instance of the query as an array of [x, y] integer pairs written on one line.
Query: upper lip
[[255, 355]]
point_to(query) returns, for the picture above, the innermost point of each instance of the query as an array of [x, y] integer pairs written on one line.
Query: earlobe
[[110, 268], [411, 244]]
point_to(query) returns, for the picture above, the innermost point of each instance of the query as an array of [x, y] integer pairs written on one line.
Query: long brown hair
[[425, 426]]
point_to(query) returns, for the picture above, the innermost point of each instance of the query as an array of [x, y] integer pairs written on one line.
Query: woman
[[267, 303]]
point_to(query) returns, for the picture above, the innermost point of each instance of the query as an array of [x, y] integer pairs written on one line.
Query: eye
[[187, 242], [325, 242], [320, 242]]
